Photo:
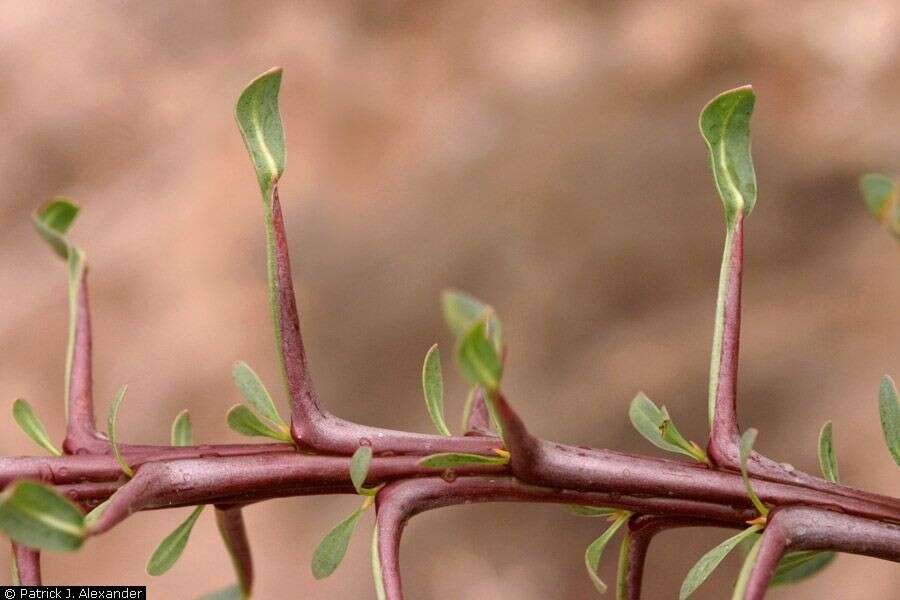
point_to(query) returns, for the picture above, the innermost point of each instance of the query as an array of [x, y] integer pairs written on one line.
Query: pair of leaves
[[880, 195], [268, 423], [658, 428], [32, 426], [333, 547], [595, 550], [37, 516]]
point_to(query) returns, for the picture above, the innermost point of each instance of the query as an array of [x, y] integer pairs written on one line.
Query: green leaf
[[229, 593], [889, 407], [96, 513], [171, 548], [253, 390], [333, 547], [657, 428], [725, 126], [709, 561], [740, 587], [39, 517], [260, 124], [359, 469], [623, 568], [32, 426], [376, 567], [433, 386], [827, 459], [182, 430], [747, 441], [53, 220], [451, 460], [111, 429], [595, 551], [244, 421], [797, 566], [591, 511], [461, 311], [478, 360], [879, 193]]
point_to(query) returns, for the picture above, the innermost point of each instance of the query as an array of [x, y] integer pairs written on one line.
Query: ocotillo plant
[[790, 523]]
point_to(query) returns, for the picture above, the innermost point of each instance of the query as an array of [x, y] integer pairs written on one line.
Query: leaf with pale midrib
[[39, 517], [170, 549], [32, 426]]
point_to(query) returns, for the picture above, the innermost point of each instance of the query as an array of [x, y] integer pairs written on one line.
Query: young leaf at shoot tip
[[747, 440], [478, 360], [113, 433], [32, 426], [433, 388], [725, 127], [259, 120]]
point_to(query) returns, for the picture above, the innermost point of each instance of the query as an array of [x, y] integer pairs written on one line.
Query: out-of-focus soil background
[[544, 157]]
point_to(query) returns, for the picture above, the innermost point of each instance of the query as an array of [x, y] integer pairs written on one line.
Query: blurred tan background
[[543, 156]]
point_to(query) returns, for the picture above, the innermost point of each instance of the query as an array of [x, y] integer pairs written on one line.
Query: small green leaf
[[433, 386], [244, 421], [591, 511], [171, 548], [709, 561], [478, 360], [657, 428], [880, 195], [230, 593], [827, 459], [889, 407], [253, 390], [260, 124], [333, 547], [39, 517], [740, 587], [376, 567], [451, 460], [53, 220], [182, 430], [797, 566], [111, 430], [595, 551], [725, 126], [461, 311], [32, 426], [359, 469], [623, 568], [747, 441]]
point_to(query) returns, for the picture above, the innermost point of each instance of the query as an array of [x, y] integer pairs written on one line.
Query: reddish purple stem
[[230, 521], [28, 564]]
